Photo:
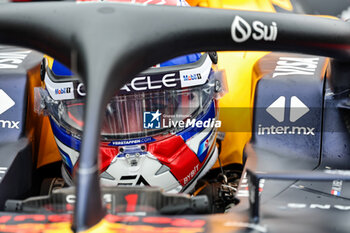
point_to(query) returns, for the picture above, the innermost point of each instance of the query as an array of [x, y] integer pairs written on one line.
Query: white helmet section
[[196, 76], [146, 169], [59, 90], [142, 170]]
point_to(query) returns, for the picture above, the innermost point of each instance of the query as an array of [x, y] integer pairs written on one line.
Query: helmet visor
[[150, 104], [130, 116]]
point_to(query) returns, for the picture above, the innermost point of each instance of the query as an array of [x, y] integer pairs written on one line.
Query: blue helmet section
[[67, 139], [182, 60], [60, 70], [191, 131]]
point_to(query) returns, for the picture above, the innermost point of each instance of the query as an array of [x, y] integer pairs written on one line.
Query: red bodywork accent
[[34, 217], [4, 219], [59, 218], [119, 218]]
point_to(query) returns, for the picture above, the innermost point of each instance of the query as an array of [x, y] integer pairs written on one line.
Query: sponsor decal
[[12, 59], [196, 76], [318, 206], [192, 173], [9, 124], [64, 90], [189, 77], [277, 109], [241, 30], [295, 66], [154, 82], [144, 83], [336, 187], [5, 102], [131, 141], [133, 180], [131, 202], [59, 91], [262, 130], [81, 89]]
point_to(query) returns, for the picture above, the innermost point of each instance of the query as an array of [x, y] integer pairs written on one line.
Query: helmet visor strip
[[129, 114]]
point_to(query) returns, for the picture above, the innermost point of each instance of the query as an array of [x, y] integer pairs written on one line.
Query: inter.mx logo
[[277, 110], [5, 104], [151, 120]]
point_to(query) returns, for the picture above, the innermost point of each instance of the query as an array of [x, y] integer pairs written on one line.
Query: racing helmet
[[159, 129]]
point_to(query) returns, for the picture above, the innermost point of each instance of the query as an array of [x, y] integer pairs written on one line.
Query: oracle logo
[[145, 83]]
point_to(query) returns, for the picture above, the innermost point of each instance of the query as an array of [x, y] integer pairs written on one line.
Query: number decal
[[131, 200]]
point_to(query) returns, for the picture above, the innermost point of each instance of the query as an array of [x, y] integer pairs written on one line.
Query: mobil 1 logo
[[241, 30]]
